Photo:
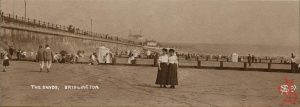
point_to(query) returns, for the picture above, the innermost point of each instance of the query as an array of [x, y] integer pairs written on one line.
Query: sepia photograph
[[150, 53]]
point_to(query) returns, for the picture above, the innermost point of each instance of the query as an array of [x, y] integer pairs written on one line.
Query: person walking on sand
[[162, 72], [11, 51], [5, 61], [19, 54], [40, 57], [48, 57], [293, 63], [173, 65]]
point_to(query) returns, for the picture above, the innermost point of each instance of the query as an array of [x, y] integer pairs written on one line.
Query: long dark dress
[[172, 75], [162, 74], [6, 62]]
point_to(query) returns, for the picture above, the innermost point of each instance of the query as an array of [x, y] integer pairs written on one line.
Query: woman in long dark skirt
[[162, 73], [173, 65]]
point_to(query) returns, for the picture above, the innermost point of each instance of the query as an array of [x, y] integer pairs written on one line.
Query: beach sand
[[134, 86]]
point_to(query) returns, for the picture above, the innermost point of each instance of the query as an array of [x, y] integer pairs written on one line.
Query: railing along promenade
[[10, 21]]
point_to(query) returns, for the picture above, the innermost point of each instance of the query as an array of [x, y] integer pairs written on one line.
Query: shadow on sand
[[35, 71], [147, 85]]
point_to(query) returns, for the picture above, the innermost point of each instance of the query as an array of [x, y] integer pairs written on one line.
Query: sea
[[241, 49]]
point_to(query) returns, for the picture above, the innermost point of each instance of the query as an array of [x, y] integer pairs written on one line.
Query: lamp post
[[91, 25], [25, 7]]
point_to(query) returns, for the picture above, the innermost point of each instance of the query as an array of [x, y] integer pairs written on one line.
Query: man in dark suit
[[11, 51], [40, 57], [253, 58], [48, 57], [249, 59]]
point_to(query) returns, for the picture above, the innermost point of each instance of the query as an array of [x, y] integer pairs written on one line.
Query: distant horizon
[[228, 49], [194, 43]]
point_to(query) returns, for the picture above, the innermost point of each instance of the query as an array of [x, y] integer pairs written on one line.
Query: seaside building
[[151, 44], [136, 37]]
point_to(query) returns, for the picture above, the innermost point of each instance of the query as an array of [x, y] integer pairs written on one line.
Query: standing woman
[[173, 65], [162, 73]]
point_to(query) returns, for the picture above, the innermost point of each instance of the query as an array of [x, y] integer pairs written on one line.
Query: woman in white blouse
[[5, 61], [173, 65], [162, 73]]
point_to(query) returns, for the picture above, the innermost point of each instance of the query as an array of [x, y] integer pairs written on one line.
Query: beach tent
[[101, 53], [148, 52], [135, 53], [234, 57]]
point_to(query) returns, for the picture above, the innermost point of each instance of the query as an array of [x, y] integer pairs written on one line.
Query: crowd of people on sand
[[95, 60], [250, 58], [20, 53], [44, 56], [59, 57], [167, 60], [132, 54]]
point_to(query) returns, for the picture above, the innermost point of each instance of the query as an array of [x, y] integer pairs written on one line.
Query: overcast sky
[[214, 21]]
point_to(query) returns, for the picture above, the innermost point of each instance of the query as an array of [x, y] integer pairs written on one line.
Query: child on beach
[[5, 62]]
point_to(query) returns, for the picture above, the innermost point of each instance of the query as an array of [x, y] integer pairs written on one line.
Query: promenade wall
[[27, 34]]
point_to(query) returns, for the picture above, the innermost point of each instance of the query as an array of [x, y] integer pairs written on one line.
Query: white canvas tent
[[135, 53], [101, 53], [234, 57], [148, 52]]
